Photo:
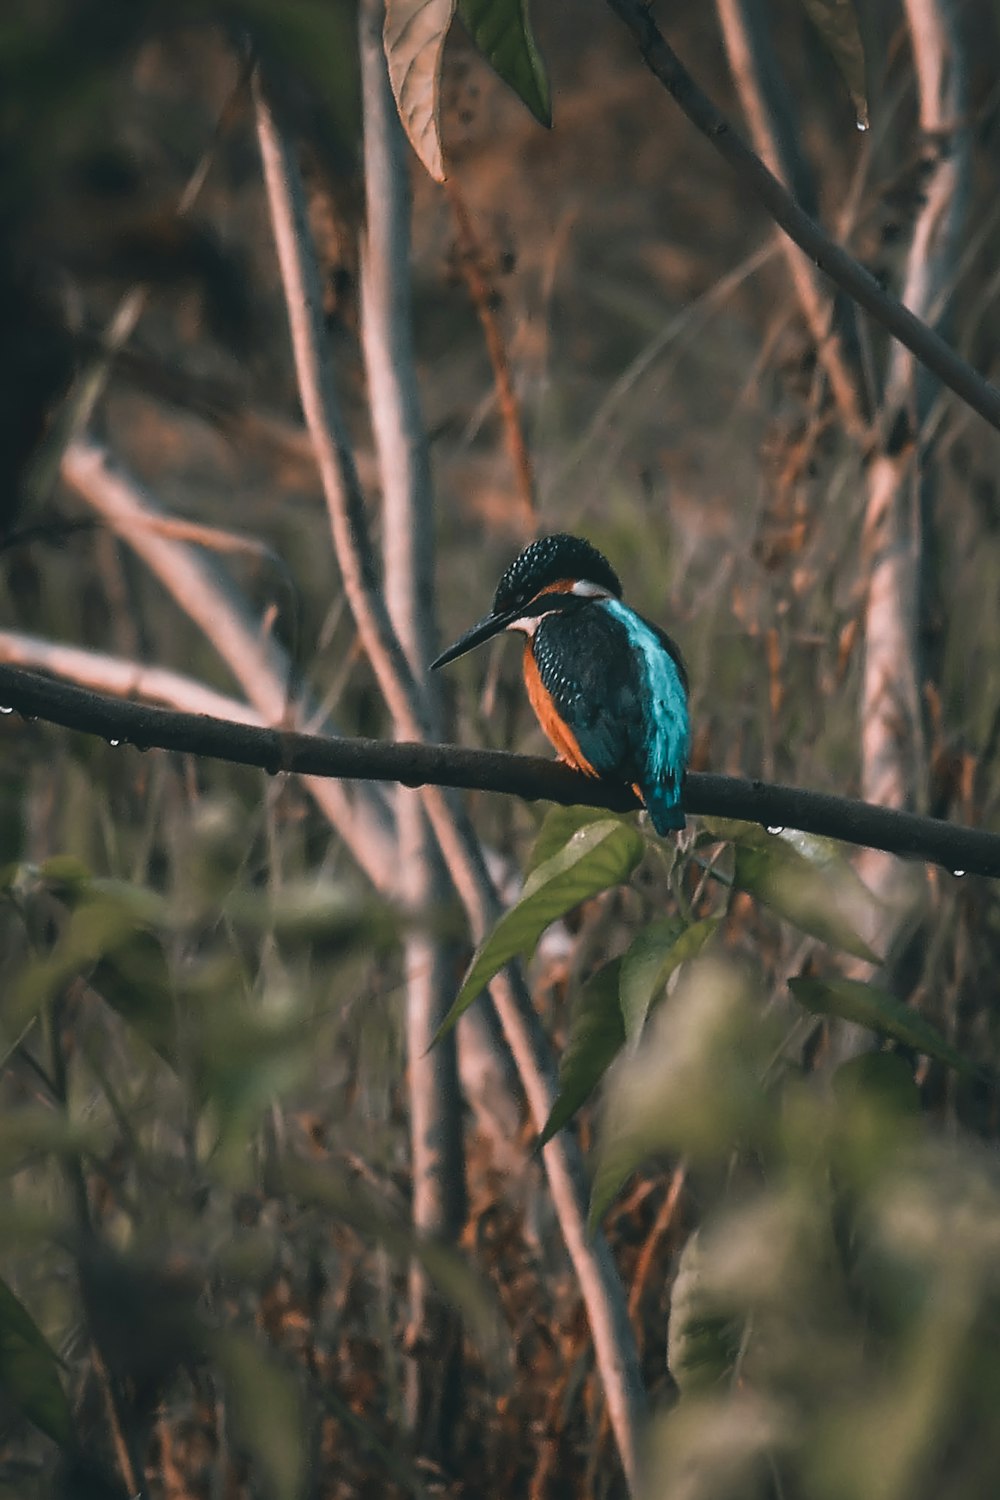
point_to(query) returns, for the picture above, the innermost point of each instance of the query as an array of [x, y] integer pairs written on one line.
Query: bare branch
[[833, 259], [123, 677], [762, 95], [956, 848], [204, 594], [338, 474]]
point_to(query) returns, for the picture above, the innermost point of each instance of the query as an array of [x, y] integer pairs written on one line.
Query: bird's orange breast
[[555, 727]]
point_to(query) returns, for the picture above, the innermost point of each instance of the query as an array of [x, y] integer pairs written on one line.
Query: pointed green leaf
[[596, 1035], [703, 1342], [837, 23], [501, 30], [805, 894], [557, 829], [735, 830], [95, 927], [134, 979], [598, 856], [65, 872], [879, 1011], [858, 903], [105, 935], [620, 1153], [267, 1412], [414, 36], [29, 1370], [660, 949], [883, 1080], [693, 1086]]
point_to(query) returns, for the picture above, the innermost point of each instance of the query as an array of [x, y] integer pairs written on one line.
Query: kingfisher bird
[[608, 687]]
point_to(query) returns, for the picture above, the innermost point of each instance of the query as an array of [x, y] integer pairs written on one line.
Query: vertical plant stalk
[[600, 1286], [470, 261], [892, 737], [766, 106], [436, 1146], [126, 1443]]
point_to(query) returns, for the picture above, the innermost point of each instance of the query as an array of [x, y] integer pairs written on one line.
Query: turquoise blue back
[[619, 684]]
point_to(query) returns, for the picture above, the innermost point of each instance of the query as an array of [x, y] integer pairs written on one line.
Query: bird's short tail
[[664, 807]]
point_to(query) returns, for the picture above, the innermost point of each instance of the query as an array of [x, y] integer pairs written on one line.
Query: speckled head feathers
[[550, 560]]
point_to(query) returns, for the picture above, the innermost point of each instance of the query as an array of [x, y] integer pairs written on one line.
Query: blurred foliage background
[[203, 1120]]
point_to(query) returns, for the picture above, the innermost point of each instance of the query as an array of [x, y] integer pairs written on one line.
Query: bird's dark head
[[554, 563], [554, 566]]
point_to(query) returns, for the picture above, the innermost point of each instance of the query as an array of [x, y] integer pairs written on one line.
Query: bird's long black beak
[[484, 630]]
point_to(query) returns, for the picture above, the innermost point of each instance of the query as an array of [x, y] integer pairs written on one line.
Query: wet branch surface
[[959, 849]]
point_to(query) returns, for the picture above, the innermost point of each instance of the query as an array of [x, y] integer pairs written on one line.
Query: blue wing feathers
[[620, 684]]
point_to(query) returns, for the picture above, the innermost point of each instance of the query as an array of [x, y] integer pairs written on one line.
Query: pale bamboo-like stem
[[123, 677], [751, 62], [206, 597], [600, 1286], [437, 1157], [892, 738]]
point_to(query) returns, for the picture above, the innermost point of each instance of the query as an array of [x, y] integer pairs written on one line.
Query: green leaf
[[806, 894], [703, 1342], [95, 927], [134, 979], [596, 1035], [33, 1131], [316, 39], [501, 30], [414, 37], [29, 1370], [107, 938], [837, 23], [267, 1412], [557, 829], [598, 856], [869, 1006], [660, 949], [693, 1088], [880, 1080]]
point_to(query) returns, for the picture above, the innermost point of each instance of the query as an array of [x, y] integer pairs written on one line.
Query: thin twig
[[831, 258], [746, 32], [470, 263]]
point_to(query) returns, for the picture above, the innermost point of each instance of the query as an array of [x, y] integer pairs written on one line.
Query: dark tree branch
[[961, 850], [833, 259]]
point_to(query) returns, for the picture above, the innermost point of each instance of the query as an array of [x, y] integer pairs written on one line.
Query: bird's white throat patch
[[582, 588], [587, 590]]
